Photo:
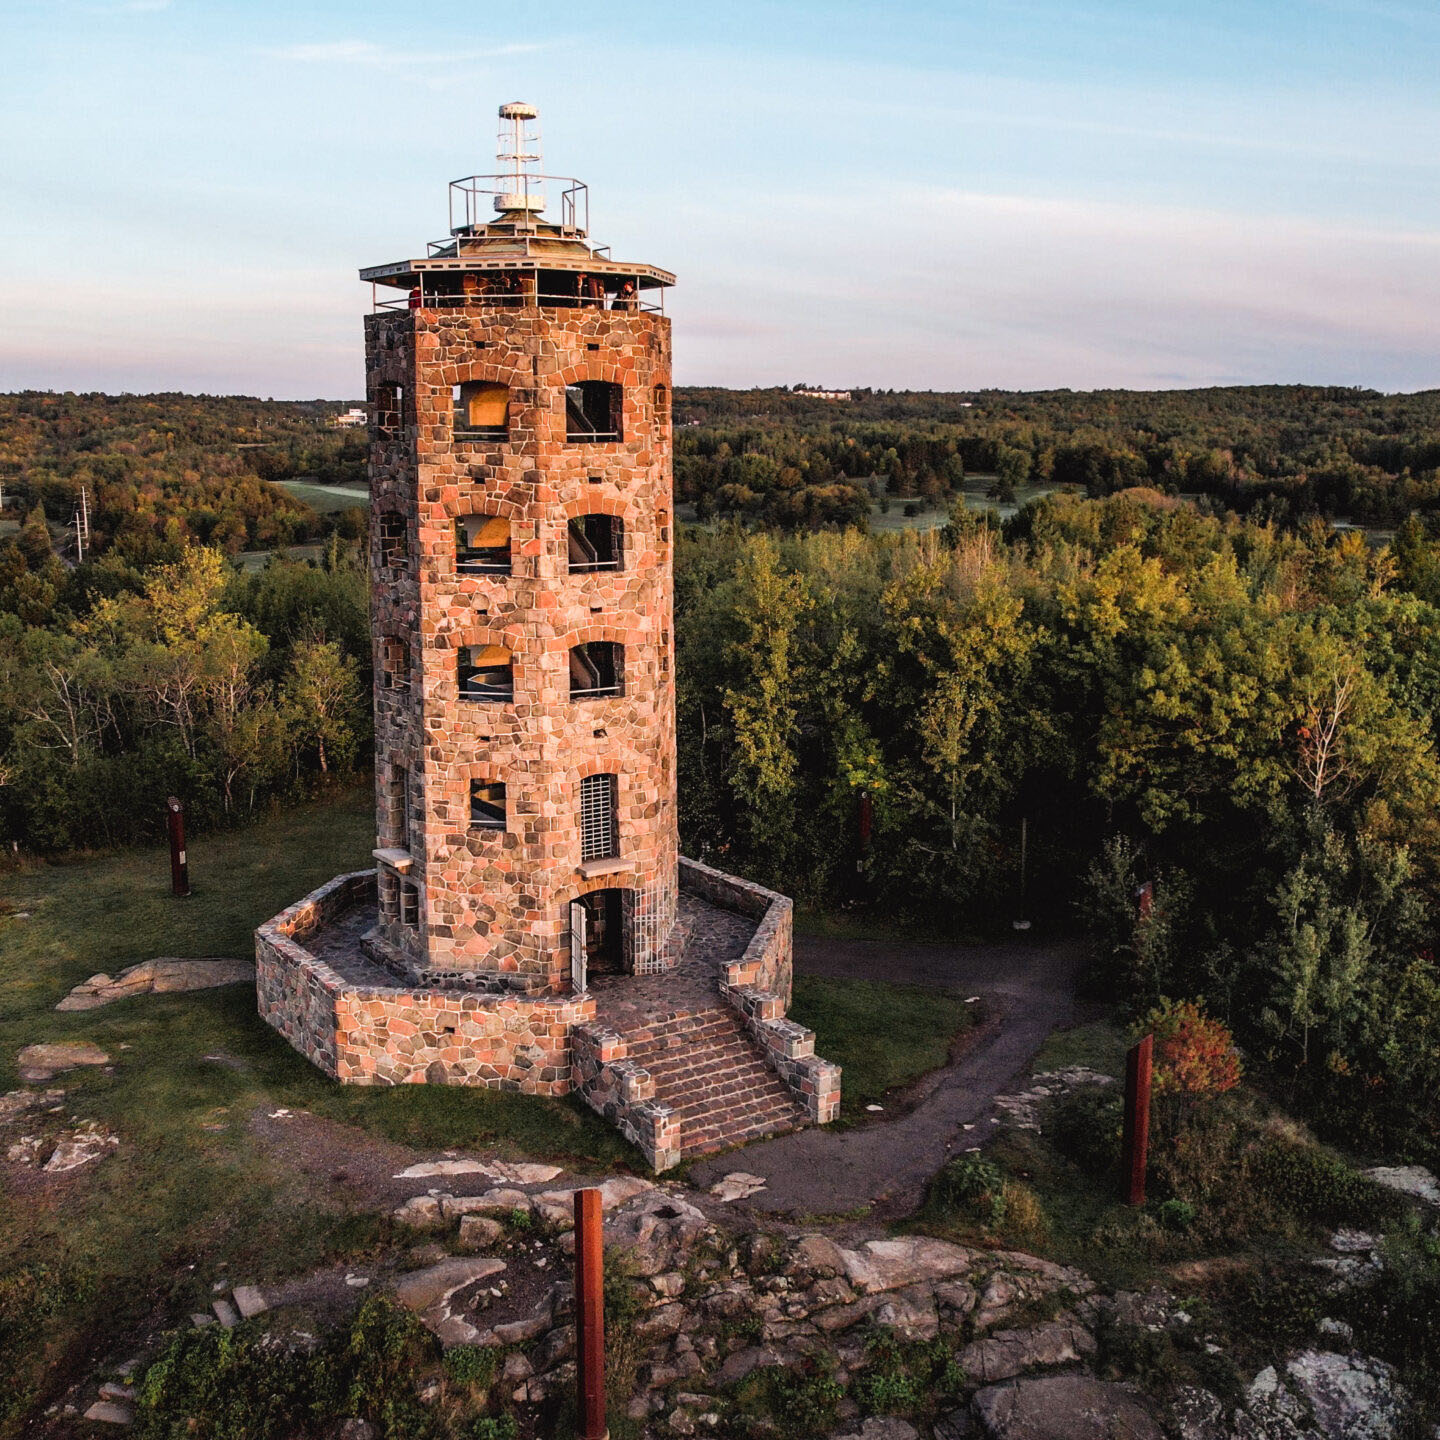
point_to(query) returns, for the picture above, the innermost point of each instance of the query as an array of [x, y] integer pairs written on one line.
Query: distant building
[[351, 418], [825, 394]]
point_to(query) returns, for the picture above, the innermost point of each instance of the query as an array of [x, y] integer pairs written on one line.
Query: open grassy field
[[325, 498]]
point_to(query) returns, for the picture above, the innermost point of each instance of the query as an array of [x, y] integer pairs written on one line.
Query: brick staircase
[[691, 1082], [715, 1079]]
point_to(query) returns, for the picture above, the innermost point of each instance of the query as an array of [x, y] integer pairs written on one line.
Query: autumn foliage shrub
[[1195, 1056]]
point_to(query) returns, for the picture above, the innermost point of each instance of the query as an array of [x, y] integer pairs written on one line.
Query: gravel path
[[1028, 986]]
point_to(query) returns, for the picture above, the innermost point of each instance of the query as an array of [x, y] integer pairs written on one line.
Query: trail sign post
[[179, 865]]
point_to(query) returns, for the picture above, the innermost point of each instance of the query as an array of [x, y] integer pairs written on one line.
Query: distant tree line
[[163, 469], [123, 683], [1282, 453]]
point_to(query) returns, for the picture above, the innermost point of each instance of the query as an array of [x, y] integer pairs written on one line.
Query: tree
[[322, 702], [763, 700]]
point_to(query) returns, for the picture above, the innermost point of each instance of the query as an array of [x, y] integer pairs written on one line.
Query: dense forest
[[1243, 718], [1172, 671]]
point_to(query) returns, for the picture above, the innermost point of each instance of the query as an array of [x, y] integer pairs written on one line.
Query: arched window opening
[[599, 830], [487, 805], [482, 410], [486, 672], [597, 670], [595, 543], [592, 411], [482, 545]]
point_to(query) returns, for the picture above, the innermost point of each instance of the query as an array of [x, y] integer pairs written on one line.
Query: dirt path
[[1028, 987]]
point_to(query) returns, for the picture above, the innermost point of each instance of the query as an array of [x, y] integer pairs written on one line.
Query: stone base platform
[[727, 1065]]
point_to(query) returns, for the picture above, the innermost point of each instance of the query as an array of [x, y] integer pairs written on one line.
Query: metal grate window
[[599, 834]]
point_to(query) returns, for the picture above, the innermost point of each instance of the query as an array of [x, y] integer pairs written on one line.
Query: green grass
[[884, 1036], [1100, 1047], [254, 561]]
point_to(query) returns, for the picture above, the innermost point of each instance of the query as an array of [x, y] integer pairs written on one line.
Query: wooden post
[[1137, 1121], [590, 1315], [179, 866]]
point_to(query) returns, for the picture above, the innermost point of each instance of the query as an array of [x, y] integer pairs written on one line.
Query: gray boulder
[[1062, 1407]]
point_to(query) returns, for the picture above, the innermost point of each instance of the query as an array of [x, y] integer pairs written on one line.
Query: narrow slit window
[[599, 833], [409, 903], [593, 411], [395, 663], [487, 805], [387, 408], [486, 672], [662, 404], [482, 410], [596, 670], [482, 545], [394, 549], [596, 543]]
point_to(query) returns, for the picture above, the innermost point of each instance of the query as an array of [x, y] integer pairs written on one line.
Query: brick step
[[755, 1089], [712, 1065]]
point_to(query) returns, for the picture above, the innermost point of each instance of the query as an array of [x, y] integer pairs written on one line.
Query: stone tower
[[529, 924], [521, 596]]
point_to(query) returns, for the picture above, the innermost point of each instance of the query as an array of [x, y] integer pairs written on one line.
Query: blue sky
[[1022, 194]]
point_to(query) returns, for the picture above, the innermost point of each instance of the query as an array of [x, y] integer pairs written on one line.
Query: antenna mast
[[517, 149]]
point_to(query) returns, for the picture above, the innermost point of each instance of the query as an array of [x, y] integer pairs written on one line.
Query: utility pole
[[79, 541], [85, 512]]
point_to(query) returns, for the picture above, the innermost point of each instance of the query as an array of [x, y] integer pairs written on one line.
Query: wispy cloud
[[131, 7], [368, 52]]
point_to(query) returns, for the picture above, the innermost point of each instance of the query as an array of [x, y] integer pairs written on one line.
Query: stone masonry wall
[[495, 903], [376, 1034]]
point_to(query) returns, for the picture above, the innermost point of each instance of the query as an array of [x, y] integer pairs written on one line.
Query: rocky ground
[[732, 1316], [740, 1317]]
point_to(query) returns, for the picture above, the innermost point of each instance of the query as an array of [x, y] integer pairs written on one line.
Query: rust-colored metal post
[[179, 866], [590, 1315], [1138, 1064]]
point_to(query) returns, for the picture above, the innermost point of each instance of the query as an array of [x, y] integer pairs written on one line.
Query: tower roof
[[498, 223]]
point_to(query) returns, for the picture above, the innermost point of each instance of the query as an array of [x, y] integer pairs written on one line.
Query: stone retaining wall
[[790, 1049], [768, 961], [378, 1034]]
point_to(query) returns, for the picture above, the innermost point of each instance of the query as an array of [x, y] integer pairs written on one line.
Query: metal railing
[[517, 299], [469, 195], [471, 689], [480, 432], [591, 567]]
